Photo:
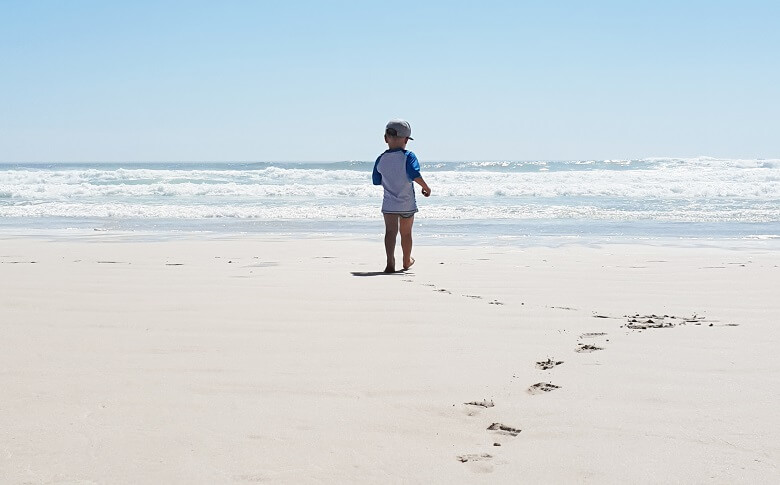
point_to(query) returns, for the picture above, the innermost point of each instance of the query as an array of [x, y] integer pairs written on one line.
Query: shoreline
[[271, 359], [371, 232]]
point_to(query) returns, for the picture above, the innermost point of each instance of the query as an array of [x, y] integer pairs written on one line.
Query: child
[[395, 170]]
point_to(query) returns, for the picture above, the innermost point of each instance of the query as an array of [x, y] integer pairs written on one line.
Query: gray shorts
[[404, 215]]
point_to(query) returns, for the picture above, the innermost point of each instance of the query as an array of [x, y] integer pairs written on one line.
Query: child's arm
[[426, 191], [413, 171]]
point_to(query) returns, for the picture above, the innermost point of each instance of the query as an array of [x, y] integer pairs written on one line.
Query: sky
[[317, 81]]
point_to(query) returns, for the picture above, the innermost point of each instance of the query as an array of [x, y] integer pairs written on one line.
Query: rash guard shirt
[[395, 170]]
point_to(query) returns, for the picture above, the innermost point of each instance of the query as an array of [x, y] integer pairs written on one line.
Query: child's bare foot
[[409, 265], [390, 269]]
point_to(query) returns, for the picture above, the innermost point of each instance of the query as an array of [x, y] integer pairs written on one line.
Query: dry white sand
[[266, 360]]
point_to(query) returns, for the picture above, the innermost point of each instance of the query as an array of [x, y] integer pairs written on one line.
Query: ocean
[[490, 202]]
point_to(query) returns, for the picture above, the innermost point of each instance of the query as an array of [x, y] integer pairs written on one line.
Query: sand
[[272, 360]]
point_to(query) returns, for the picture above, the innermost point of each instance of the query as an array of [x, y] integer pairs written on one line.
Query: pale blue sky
[[306, 80]]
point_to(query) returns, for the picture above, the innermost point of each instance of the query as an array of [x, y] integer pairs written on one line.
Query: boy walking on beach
[[395, 170]]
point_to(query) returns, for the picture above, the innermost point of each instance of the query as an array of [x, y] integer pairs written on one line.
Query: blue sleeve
[[376, 177], [412, 166]]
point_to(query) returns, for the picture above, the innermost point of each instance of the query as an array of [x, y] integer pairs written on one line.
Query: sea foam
[[664, 190]]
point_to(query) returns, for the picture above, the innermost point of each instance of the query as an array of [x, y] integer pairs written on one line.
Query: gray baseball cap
[[400, 128]]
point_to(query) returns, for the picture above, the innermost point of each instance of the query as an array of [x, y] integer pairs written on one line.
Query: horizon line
[[492, 160]]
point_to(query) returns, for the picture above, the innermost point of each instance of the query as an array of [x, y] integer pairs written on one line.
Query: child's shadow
[[377, 273]]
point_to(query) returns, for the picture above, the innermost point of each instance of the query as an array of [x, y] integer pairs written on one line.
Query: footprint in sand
[[474, 457], [503, 429], [644, 322], [262, 264], [586, 348], [592, 334], [250, 478], [473, 408], [495, 302], [542, 387], [634, 325], [548, 364], [478, 462], [649, 321], [483, 403]]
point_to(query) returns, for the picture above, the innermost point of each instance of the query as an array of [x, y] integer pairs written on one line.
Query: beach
[[196, 213], [277, 359]]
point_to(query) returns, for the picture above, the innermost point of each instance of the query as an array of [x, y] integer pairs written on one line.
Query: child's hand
[[426, 191]]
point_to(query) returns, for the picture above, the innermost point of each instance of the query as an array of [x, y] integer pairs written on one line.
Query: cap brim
[[409, 137]]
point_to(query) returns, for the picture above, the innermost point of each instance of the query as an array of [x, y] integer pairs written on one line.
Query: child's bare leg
[[406, 241], [391, 234]]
